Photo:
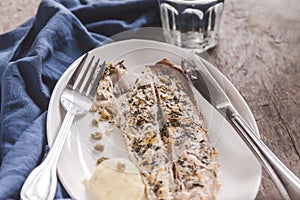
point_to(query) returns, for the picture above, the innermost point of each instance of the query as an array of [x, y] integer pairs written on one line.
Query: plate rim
[[215, 70]]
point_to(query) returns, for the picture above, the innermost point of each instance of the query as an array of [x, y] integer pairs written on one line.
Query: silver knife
[[287, 183]]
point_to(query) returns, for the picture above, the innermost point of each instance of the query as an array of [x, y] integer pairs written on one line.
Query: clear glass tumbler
[[191, 24]]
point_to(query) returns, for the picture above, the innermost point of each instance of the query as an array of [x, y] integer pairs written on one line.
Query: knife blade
[[286, 182], [205, 83]]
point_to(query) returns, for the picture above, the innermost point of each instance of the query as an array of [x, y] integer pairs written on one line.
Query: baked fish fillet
[[166, 137]]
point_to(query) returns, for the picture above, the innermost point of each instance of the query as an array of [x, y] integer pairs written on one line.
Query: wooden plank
[[15, 12], [259, 51]]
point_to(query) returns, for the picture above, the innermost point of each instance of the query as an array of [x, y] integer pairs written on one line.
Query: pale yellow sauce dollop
[[109, 181]]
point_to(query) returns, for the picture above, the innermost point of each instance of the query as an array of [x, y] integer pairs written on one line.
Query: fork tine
[[85, 79], [91, 77], [77, 71], [77, 80], [98, 77], [82, 78]]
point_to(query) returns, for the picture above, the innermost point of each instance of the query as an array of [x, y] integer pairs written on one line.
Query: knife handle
[[287, 183]]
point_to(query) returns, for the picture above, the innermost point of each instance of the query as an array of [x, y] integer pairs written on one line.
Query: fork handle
[[287, 183], [42, 181]]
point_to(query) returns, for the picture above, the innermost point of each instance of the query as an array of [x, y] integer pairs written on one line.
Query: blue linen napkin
[[34, 56]]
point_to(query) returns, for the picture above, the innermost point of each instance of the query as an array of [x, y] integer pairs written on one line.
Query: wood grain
[[15, 12], [259, 51]]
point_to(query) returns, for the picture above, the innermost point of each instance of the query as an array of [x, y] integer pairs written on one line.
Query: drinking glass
[[191, 24]]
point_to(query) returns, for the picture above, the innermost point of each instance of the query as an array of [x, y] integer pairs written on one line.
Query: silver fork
[[76, 99]]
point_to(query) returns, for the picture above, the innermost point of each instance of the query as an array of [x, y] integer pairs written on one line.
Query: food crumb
[[99, 147], [95, 122], [96, 135], [121, 166], [105, 115], [100, 160], [94, 108], [108, 130]]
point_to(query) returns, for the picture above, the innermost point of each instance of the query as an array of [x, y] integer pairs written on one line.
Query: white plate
[[240, 172]]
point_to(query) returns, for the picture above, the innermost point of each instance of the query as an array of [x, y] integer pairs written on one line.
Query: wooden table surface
[[259, 52]]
